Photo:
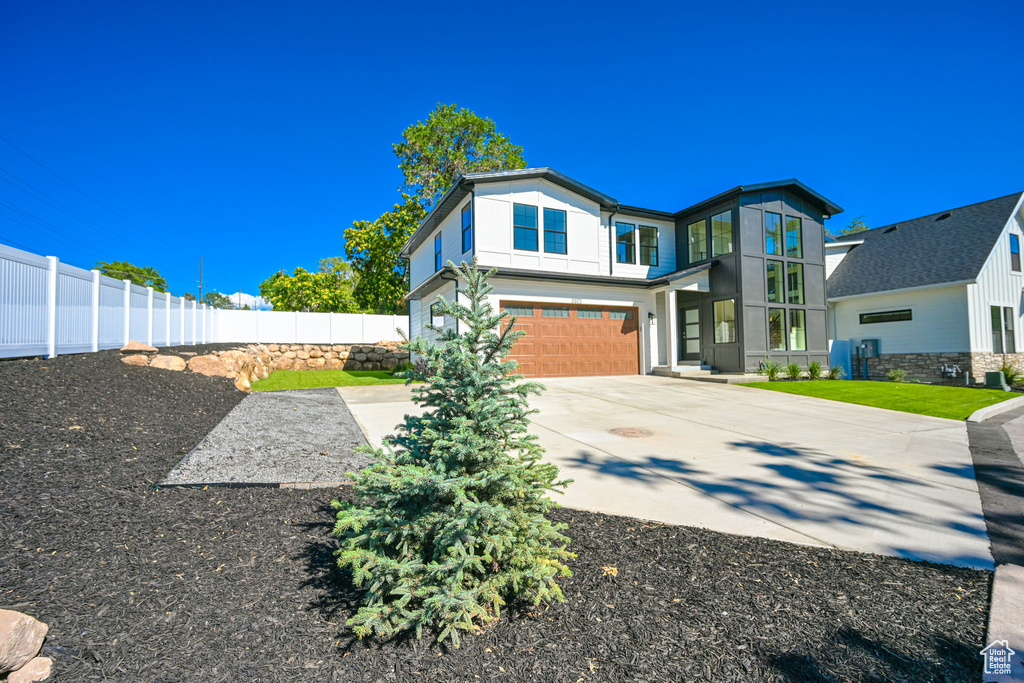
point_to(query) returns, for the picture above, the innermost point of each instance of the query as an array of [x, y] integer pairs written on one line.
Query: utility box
[[869, 348], [996, 380]]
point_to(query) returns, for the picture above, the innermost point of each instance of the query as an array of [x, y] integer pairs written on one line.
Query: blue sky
[[254, 133]]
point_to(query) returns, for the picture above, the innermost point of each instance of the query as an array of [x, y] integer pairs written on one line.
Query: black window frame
[[779, 268], [894, 316], [651, 251], [996, 315], [713, 220], [620, 242], [437, 251], [795, 287], [1015, 252], [564, 232], [799, 237], [467, 227], [434, 314], [524, 229], [777, 237], [690, 242], [1009, 336]]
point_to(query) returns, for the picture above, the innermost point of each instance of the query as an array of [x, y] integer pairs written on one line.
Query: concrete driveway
[[752, 462]]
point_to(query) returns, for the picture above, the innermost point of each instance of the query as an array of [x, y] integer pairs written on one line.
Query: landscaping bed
[[230, 584], [954, 403]]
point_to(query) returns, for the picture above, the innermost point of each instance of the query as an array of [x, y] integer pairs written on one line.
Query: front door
[[689, 333]]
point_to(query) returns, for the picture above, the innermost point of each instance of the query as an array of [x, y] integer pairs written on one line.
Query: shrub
[[793, 371], [771, 369], [449, 521], [836, 372], [402, 367], [1012, 374], [896, 375], [814, 370]]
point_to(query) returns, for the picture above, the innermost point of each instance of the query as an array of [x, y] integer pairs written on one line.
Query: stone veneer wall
[[380, 356], [926, 367]]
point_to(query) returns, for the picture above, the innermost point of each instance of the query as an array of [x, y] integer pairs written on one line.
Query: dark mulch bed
[[237, 584]]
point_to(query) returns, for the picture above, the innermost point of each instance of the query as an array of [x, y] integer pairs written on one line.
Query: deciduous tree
[[329, 290], [217, 300], [144, 276]]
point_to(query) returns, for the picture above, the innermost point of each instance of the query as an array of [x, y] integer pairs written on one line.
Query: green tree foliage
[[372, 247], [329, 290], [854, 226], [144, 276], [189, 296], [216, 300], [451, 516], [450, 143]]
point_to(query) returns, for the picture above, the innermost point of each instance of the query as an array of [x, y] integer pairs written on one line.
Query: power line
[[69, 183], [35, 229], [56, 204], [28, 214]]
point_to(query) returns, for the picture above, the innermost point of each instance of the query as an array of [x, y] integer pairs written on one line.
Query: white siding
[[421, 261], [666, 247], [997, 285], [834, 255], [419, 312], [939, 320]]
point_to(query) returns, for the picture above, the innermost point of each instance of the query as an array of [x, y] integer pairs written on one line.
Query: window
[[777, 329], [625, 243], [436, 315], [437, 252], [648, 246], [886, 317], [697, 239], [797, 329], [721, 233], [776, 293], [519, 311], [467, 228], [554, 231], [1009, 342], [620, 315], [1015, 252], [555, 311], [725, 321], [772, 233], [524, 227], [794, 238], [588, 313], [997, 329], [795, 278]]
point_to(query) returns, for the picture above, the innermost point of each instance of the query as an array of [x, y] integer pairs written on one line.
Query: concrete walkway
[[751, 462]]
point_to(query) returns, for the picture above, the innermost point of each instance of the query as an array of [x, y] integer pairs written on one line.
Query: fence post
[[167, 317], [202, 319], [149, 316], [127, 311], [95, 310], [51, 307], [195, 330], [362, 328], [181, 302]]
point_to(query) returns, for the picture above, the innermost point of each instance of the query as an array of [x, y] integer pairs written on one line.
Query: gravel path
[[280, 437], [238, 584]]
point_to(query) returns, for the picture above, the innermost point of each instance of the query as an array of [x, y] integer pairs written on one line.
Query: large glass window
[[772, 233], [721, 233], [555, 311], [625, 242], [697, 239], [467, 228], [794, 238], [1014, 252], [797, 329], [648, 246], [437, 252], [725, 321], [795, 280], [776, 291], [997, 329], [886, 316], [777, 329], [1010, 342], [554, 231], [524, 223]]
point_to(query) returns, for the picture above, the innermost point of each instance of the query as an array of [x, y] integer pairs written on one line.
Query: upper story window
[[773, 271], [554, 231], [625, 242], [795, 277], [1014, 252], [697, 240], [772, 233], [794, 237], [648, 246], [721, 233], [467, 228], [725, 321], [524, 222], [437, 252]]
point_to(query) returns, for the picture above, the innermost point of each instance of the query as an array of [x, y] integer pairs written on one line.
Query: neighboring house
[[940, 290], [605, 288]]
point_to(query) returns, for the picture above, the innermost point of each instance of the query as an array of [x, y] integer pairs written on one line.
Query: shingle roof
[[943, 247]]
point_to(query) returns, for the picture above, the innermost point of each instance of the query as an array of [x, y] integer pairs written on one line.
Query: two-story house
[[604, 288]]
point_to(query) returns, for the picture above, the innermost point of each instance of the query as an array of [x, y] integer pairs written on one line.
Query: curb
[[985, 413], [1004, 622]]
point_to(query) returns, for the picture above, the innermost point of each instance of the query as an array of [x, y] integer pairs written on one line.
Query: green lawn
[[955, 403], [282, 380]]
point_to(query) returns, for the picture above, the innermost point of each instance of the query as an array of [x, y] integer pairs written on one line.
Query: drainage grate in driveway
[[631, 432]]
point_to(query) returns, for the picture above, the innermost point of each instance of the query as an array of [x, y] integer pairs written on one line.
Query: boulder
[[212, 366], [242, 383], [380, 350], [339, 347], [360, 357], [137, 359], [273, 347], [302, 355], [335, 364], [388, 363], [377, 357], [37, 669], [315, 352], [283, 363], [353, 365], [330, 354], [291, 354], [299, 364], [371, 365], [307, 347], [138, 347], [21, 636], [316, 363], [168, 363]]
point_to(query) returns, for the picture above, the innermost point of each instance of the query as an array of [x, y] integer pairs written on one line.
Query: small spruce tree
[[450, 519]]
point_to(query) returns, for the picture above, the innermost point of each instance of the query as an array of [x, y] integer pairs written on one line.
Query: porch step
[[730, 378], [683, 371]]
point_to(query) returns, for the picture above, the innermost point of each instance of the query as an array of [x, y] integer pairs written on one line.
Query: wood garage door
[[564, 340]]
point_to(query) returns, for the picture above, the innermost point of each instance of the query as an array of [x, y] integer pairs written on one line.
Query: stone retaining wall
[[380, 356], [926, 367]]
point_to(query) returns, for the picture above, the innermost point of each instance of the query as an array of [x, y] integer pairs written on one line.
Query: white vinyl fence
[[49, 308]]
